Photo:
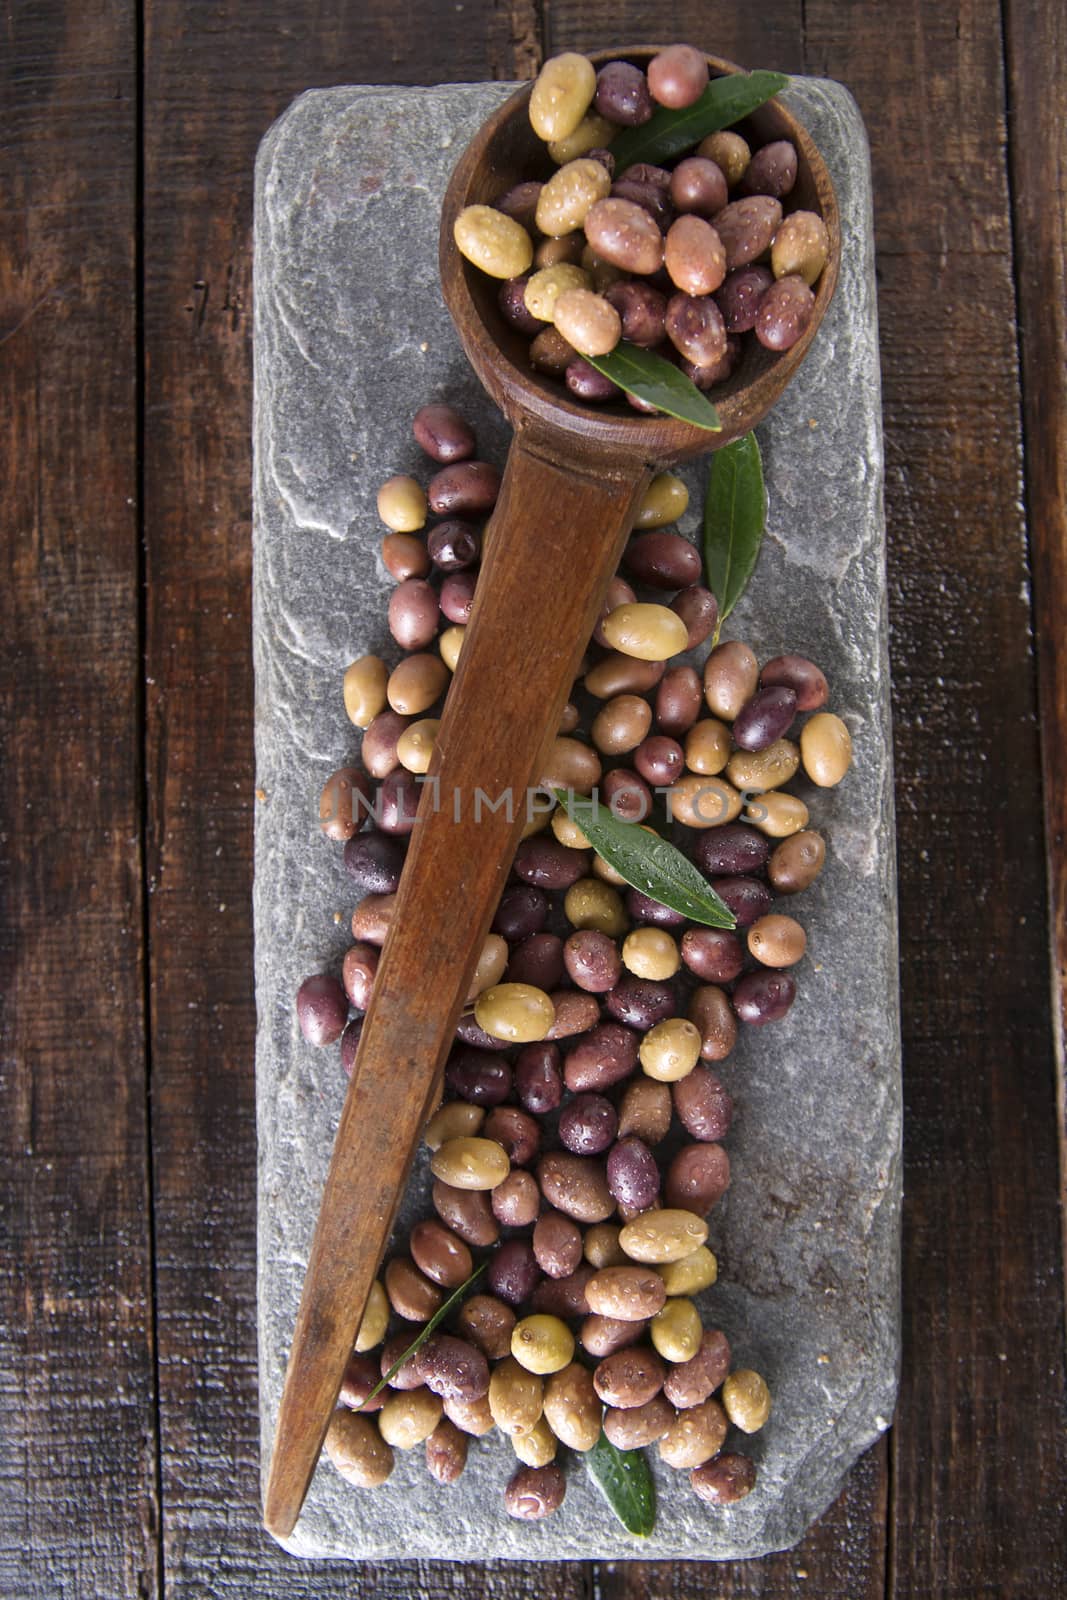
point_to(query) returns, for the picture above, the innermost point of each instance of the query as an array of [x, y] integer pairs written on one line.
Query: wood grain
[[78, 1506], [1037, 108], [978, 1451]]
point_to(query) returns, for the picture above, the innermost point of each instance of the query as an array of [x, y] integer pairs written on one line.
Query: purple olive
[[644, 909], [747, 898], [523, 911], [762, 997], [733, 848], [321, 1009], [398, 801], [538, 961], [538, 1078], [765, 718], [588, 1124], [375, 860], [513, 1273], [454, 545], [641, 1002], [478, 1076], [633, 1176], [714, 954]]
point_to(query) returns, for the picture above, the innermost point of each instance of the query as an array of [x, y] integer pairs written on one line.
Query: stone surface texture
[[351, 336]]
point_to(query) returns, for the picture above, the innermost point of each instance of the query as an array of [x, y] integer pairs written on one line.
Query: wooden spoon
[[573, 480]]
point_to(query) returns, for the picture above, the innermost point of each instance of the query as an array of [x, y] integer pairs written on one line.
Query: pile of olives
[[578, 1151], [684, 259]]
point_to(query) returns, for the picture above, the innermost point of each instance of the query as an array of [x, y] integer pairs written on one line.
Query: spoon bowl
[[504, 152]]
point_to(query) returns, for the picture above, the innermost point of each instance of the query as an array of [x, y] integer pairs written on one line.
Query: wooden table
[[128, 1448]]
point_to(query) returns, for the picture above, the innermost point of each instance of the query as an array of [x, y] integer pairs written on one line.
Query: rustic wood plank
[[978, 1450], [78, 1512], [1036, 37], [215, 78]]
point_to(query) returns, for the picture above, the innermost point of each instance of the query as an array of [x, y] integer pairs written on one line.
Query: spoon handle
[[552, 545]]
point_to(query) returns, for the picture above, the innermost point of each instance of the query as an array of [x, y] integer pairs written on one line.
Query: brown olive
[[626, 1294], [572, 1407], [724, 1480], [535, 1492], [446, 1452], [697, 1178], [629, 1377], [516, 1201], [409, 1417], [677, 76], [358, 1450], [703, 1104], [440, 1254], [487, 1322], [379, 750], [564, 1297], [677, 704], [467, 1212], [451, 1366], [470, 1416], [777, 941], [601, 1057], [797, 862], [344, 804], [645, 1111], [694, 256], [557, 1244], [696, 1435], [692, 1382], [602, 1336], [577, 1186], [634, 1427], [711, 1012], [361, 1377], [411, 1295], [731, 675], [621, 724], [622, 674]]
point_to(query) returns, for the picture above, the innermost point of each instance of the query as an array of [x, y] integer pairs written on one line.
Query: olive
[[457, 597], [453, 546], [453, 1368], [487, 1322], [516, 1201], [564, 1297], [442, 432], [557, 1245], [663, 560], [548, 864], [633, 1176], [765, 718], [375, 861], [481, 1077], [446, 1452], [644, 910], [542, 1344], [697, 1178], [805, 679], [693, 1381], [642, 310], [714, 954], [402, 504], [731, 674], [670, 1050], [538, 1079], [730, 850], [677, 704], [651, 953], [703, 1104], [747, 1400], [747, 898], [640, 1003], [518, 1133], [513, 1273], [321, 1009], [470, 1163], [535, 1492], [660, 760], [515, 1012], [699, 610], [645, 1110], [677, 76], [622, 94], [796, 862], [710, 1011], [725, 1479], [762, 997], [776, 941], [601, 1057], [537, 962], [588, 1124], [826, 749], [592, 960]]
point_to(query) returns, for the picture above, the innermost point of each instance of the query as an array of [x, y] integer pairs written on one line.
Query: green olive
[[542, 1344], [515, 1012]]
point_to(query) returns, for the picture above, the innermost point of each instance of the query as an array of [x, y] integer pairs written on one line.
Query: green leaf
[[623, 1478], [418, 1343], [735, 513], [651, 378], [647, 862], [667, 133]]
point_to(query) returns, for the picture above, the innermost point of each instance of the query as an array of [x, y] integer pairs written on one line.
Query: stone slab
[[351, 336]]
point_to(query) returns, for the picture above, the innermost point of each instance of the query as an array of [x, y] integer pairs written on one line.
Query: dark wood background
[[128, 1439]]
